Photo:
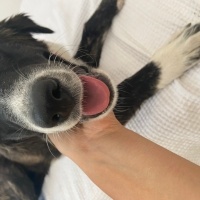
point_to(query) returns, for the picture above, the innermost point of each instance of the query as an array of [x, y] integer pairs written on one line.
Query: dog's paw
[[179, 54], [120, 4]]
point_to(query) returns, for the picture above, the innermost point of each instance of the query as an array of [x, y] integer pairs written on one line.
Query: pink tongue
[[96, 95]]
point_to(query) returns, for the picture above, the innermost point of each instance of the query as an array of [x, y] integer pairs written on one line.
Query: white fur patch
[[120, 4], [177, 56]]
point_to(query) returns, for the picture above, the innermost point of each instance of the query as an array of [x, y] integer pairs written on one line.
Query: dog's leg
[[169, 62], [95, 31]]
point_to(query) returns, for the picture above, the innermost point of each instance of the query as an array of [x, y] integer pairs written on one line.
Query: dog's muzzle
[[56, 98]]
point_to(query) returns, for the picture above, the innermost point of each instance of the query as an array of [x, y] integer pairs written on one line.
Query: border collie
[[43, 93]]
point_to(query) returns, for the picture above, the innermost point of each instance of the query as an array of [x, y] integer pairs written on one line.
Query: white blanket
[[171, 118]]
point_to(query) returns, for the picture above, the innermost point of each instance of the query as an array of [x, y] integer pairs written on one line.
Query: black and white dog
[[42, 93]]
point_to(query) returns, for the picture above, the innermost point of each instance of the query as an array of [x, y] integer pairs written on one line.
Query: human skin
[[127, 166]]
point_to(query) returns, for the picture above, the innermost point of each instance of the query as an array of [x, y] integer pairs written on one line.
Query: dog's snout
[[52, 103]]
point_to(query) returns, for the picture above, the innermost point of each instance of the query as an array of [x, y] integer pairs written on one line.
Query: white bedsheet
[[171, 118]]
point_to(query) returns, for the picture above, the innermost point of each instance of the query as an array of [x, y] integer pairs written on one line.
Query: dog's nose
[[52, 103]]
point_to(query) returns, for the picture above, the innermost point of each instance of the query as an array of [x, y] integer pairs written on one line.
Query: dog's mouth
[[98, 92], [96, 96]]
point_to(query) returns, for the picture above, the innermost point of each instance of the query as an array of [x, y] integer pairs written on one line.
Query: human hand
[[82, 137]]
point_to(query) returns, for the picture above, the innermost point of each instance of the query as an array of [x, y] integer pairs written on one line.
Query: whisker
[[17, 70], [49, 147]]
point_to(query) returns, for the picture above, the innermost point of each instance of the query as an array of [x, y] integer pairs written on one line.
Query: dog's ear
[[21, 23]]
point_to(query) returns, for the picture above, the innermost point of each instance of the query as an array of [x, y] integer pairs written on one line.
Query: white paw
[[178, 55], [120, 4]]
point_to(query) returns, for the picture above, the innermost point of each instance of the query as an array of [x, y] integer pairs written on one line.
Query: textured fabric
[[67, 182], [171, 118]]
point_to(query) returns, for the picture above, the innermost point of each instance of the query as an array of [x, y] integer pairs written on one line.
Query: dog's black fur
[[24, 155]]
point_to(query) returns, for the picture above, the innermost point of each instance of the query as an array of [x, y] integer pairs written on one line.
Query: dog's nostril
[[56, 93], [56, 118]]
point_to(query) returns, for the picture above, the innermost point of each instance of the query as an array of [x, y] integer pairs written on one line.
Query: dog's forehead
[[17, 51], [16, 43], [16, 56], [11, 42]]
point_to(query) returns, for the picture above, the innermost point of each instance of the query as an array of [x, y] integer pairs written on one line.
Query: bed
[[171, 118]]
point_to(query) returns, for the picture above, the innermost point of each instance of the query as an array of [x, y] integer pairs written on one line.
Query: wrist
[[102, 149]]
